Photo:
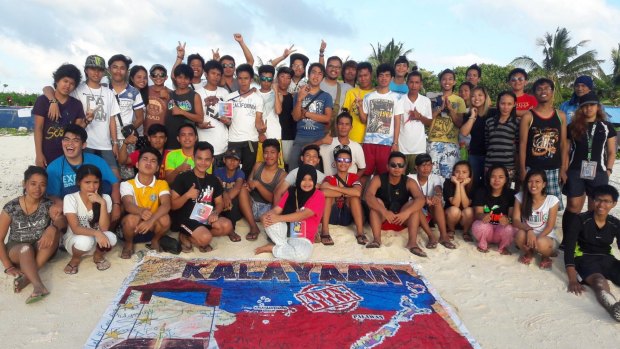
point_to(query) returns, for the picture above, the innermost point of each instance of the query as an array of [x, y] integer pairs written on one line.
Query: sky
[[37, 36]]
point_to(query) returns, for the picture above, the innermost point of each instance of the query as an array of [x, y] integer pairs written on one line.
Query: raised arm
[[246, 51]]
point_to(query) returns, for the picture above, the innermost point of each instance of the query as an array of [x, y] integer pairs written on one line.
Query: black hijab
[[296, 196]]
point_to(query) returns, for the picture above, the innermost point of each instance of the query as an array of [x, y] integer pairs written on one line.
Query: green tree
[[388, 53], [493, 78], [615, 62], [561, 63]]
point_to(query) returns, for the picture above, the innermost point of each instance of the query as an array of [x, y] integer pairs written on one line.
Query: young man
[[356, 94], [582, 85], [181, 160], [398, 84], [309, 156], [212, 129], [228, 62], [388, 197], [298, 63], [156, 135], [185, 105], [266, 75], [100, 107], [542, 139], [588, 250], [349, 72], [236, 199], [517, 79], [159, 95], [246, 123], [431, 187], [417, 115], [197, 199], [284, 109], [312, 111], [48, 132], [195, 61], [146, 201], [328, 144], [381, 112], [336, 89], [130, 103], [343, 202], [473, 74]]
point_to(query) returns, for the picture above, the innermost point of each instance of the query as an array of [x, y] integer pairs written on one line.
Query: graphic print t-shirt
[[543, 141], [381, 110], [310, 129], [209, 189]]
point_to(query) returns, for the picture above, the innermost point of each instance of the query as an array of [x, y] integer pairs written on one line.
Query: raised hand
[[216, 54], [181, 50], [238, 37]]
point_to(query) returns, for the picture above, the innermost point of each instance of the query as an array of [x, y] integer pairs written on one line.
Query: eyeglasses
[[604, 202], [228, 65], [71, 140], [155, 76], [397, 165], [345, 160], [515, 79], [331, 66], [266, 78]]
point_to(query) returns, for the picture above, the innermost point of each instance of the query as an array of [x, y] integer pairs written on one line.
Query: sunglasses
[[345, 160], [397, 165], [266, 78], [228, 65], [520, 78], [155, 76]]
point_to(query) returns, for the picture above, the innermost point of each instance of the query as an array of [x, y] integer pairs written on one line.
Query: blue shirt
[[228, 182], [401, 89], [61, 175], [310, 129]]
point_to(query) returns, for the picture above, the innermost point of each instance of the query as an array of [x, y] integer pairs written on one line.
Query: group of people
[[301, 147]]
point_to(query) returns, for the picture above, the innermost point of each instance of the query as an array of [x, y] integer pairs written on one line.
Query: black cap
[[232, 153], [588, 98], [158, 66]]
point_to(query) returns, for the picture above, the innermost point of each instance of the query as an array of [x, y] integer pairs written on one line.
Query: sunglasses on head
[[345, 160], [397, 165], [228, 65], [155, 75], [266, 78]]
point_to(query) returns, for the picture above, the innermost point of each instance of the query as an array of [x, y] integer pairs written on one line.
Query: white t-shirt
[[428, 189], [129, 100], [329, 164], [243, 125], [218, 134], [412, 137], [72, 203], [274, 130], [538, 220], [104, 105], [294, 87], [381, 110]]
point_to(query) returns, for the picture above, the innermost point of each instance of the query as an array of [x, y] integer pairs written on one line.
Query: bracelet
[[53, 101], [9, 268], [472, 118]]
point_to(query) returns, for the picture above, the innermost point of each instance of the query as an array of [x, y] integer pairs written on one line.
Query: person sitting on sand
[[146, 200], [88, 215], [181, 160], [197, 198], [298, 212], [588, 250], [310, 155], [156, 136], [388, 196], [534, 215], [33, 240], [457, 194]]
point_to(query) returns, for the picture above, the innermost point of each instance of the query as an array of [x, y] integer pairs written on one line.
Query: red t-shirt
[[351, 180], [316, 203], [133, 157], [526, 102]]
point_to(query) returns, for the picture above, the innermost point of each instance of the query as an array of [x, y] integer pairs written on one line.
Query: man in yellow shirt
[[364, 87]]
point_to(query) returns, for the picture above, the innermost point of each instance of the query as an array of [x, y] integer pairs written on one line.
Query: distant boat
[[16, 117]]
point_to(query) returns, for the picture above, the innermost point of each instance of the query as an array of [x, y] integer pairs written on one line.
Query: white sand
[[503, 304]]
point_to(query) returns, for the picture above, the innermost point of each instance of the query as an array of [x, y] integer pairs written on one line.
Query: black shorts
[[188, 225], [607, 265], [575, 186]]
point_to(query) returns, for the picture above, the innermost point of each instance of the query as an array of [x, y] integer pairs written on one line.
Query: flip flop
[[126, 253], [209, 248], [432, 245], [416, 250], [326, 239], [504, 251], [615, 311], [361, 239], [19, 283], [234, 237], [545, 263], [186, 244], [71, 269], [35, 298], [373, 244], [525, 259], [150, 247], [480, 249], [448, 244], [467, 237], [103, 264], [450, 235], [252, 236]]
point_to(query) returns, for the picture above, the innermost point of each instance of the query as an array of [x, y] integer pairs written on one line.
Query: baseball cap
[[95, 61], [158, 66], [232, 153]]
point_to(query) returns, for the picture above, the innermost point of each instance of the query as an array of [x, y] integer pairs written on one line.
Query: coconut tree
[[561, 61], [615, 62], [388, 53]]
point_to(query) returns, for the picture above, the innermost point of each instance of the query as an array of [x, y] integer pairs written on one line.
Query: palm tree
[[388, 53], [615, 61], [561, 62]]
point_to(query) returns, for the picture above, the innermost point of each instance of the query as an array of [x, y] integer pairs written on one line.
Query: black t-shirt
[[476, 145], [497, 205], [173, 122], [449, 190], [579, 147], [289, 126], [209, 186], [584, 237]]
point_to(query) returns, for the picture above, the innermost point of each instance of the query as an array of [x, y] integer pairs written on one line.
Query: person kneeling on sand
[[388, 197], [197, 197], [146, 200], [298, 212], [33, 237], [588, 250], [343, 202]]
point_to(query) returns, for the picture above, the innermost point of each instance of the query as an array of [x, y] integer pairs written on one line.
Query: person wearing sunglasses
[[159, 95], [517, 79], [395, 201], [329, 144], [271, 120]]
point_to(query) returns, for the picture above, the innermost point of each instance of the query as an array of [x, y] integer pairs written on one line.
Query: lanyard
[[590, 138]]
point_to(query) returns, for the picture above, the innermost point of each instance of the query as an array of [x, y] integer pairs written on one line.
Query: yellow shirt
[[145, 196], [359, 128], [443, 129]]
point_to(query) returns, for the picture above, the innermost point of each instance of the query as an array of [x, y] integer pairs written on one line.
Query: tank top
[[173, 122], [271, 186], [543, 142], [394, 196]]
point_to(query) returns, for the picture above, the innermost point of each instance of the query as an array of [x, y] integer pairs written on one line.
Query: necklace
[[28, 214]]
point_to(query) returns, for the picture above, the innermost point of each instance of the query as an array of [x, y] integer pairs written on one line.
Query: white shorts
[[85, 243]]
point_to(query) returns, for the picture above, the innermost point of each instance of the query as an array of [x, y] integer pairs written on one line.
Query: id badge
[[201, 212], [588, 169], [297, 229]]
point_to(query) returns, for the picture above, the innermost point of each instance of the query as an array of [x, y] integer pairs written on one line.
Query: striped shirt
[[500, 140]]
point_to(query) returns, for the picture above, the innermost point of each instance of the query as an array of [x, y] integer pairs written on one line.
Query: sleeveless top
[[543, 142], [173, 122], [271, 186], [394, 196]]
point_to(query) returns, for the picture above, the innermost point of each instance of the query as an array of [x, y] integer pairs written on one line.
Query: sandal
[[326, 239], [431, 245], [545, 263], [103, 264], [480, 249], [450, 235], [467, 236], [252, 236], [416, 250], [126, 253], [525, 259], [373, 244], [71, 269], [186, 244], [504, 251], [150, 247], [234, 237], [205, 249], [20, 283], [361, 239], [33, 298], [448, 244]]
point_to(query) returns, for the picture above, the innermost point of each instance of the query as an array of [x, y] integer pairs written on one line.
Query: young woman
[[474, 127], [88, 216], [32, 240], [534, 216], [493, 210], [457, 193], [299, 211], [139, 78], [501, 133], [592, 142]]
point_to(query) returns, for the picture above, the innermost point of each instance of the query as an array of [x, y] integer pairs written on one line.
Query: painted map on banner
[[179, 303]]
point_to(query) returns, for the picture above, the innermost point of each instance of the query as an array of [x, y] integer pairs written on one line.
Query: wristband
[[53, 101]]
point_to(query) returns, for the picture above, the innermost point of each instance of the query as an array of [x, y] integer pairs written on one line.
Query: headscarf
[[296, 196]]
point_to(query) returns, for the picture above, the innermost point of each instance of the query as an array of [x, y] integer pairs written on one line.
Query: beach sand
[[502, 303]]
